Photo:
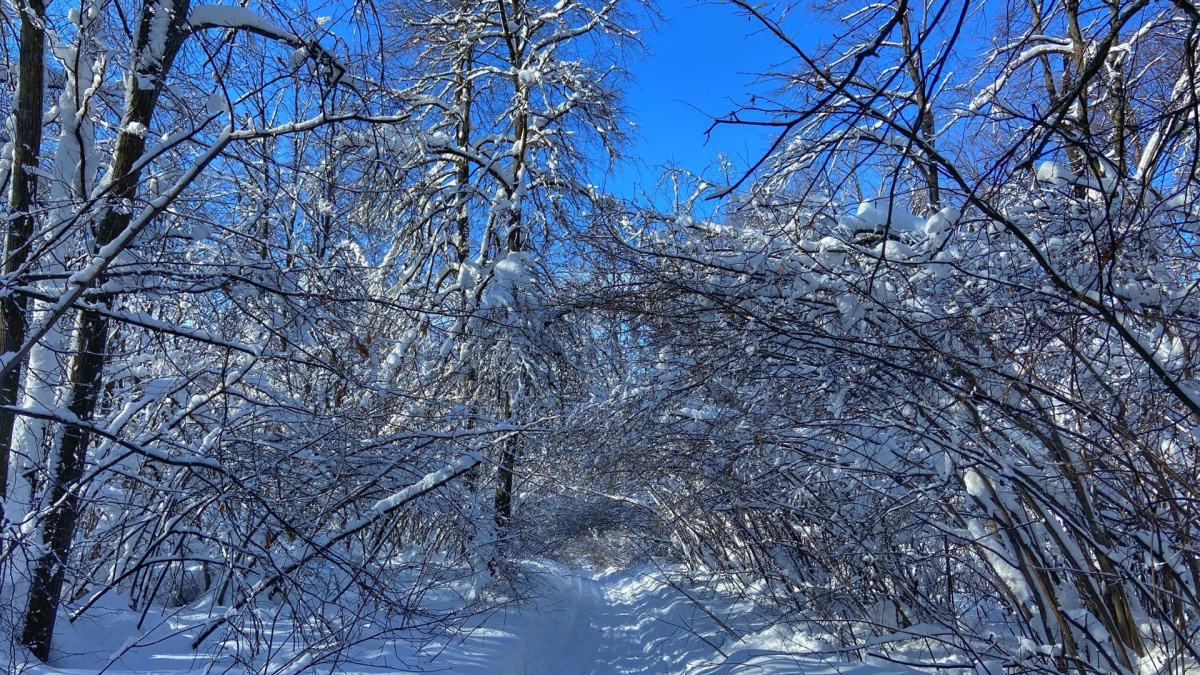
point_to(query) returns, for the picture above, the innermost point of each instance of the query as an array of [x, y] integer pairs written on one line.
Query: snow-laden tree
[[178, 351], [972, 425], [273, 284], [524, 103]]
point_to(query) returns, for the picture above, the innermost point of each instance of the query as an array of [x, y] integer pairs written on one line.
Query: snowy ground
[[573, 622]]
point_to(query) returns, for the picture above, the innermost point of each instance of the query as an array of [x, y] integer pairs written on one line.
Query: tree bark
[[22, 189], [928, 201], [90, 343], [515, 237], [504, 478]]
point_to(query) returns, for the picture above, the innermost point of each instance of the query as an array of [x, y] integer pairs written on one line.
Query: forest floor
[[570, 622]]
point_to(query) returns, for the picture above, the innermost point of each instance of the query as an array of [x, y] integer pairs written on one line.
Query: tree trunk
[[86, 368], [927, 201], [27, 144], [504, 477], [91, 334], [515, 239], [504, 490]]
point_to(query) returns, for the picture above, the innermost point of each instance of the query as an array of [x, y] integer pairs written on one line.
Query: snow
[[1056, 173], [136, 129], [941, 221], [298, 57], [227, 16], [572, 622], [529, 77], [879, 215], [429, 482], [216, 103], [233, 17], [150, 59]]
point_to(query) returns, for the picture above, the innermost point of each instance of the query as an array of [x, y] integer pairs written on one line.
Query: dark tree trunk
[[26, 150], [504, 488], [87, 366], [90, 343], [504, 478], [516, 240]]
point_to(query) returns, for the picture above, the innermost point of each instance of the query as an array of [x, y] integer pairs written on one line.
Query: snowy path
[[608, 629], [583, 635], [573, 622], [620, 623]]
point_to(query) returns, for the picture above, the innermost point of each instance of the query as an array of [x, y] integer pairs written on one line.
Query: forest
[[317, 328]]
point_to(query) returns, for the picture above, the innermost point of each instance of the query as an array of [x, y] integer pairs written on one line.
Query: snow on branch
[[226, 16], [320, 546], [429, 482], [240, 18]]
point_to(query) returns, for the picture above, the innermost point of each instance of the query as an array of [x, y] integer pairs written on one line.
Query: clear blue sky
[[701, 63]]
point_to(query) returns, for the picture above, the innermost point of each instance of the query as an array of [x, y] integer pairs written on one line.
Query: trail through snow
[[570, 622], [629, 622]]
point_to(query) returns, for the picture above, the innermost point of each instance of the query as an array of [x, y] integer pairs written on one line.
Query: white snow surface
[[570, 622]]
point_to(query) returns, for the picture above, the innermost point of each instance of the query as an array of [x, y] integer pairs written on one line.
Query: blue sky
[[701, 63]]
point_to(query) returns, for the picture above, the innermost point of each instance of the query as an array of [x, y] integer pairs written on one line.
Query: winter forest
[[324, 352]]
